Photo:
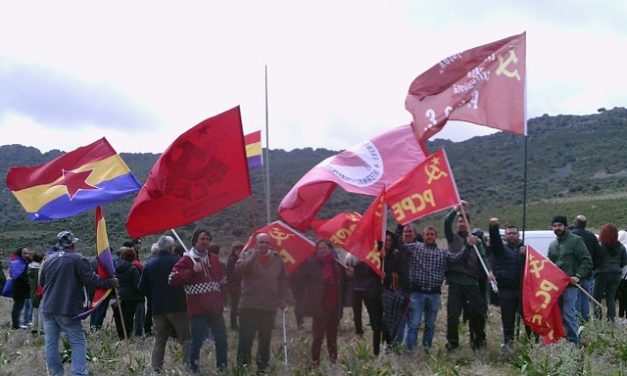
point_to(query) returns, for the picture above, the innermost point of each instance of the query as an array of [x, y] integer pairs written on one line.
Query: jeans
[[53, 326], [18, 304], [199, 326], [509, 300], [605, 285], [164, 326], [420, 304], [583, 304], [27, 312], [97, 317], [252, 321], [569, 314], [140, 317], [469, 298]]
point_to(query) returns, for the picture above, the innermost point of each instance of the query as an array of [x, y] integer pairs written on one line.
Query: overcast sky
[[141, 73]]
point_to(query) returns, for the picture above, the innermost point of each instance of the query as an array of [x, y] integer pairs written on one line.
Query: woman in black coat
[[128, 292]]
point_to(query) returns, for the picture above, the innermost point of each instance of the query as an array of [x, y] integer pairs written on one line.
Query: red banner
[[363, 242], [484, 85], [543, 284], [202, 172], [337, 229], [293, 247], [428, 188]]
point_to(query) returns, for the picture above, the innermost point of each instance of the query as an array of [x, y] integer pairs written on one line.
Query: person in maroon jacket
[[203, 278]]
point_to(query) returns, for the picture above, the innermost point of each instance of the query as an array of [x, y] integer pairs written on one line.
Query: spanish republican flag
[[253, 149], [72, 183], [106, 270]]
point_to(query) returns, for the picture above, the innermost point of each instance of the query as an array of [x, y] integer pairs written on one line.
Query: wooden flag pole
[[119, 304]]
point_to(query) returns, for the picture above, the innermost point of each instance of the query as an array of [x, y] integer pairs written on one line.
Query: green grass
[[604, 352]]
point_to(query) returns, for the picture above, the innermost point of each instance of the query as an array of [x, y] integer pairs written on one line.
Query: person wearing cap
[[169, 311], [64, 276], [592, 244], [203, 277], [462, 277], [508, 260], [569, 253]]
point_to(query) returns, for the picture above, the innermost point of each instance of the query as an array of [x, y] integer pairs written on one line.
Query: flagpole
[[524, 219], [119, 304], [267, 159], [485, 267]]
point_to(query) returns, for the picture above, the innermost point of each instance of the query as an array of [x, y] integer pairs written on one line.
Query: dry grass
[[604, 353]]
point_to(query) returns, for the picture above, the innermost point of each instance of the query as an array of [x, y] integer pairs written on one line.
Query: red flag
[[293, 246], [363, 243], [543, 284], [337, 229], [484, 85], [428, 188], [365, 169], [202, 172]]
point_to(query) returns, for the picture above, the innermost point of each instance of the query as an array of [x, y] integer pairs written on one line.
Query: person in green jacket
[[569, 253]]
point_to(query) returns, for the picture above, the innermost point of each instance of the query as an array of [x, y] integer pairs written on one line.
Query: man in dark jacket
[[592, 244], [507, 263], [64, 275], [169, 312]]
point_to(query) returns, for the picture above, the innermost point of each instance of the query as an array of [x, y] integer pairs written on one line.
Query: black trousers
[[359, 298], [128, 310], [251, 322], [374, 306], [473, 301], [509, 300]]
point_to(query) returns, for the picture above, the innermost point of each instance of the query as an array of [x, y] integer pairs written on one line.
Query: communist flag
[[337, 229], [293, 247], [363, 242], [484, 85], [543, 284], [106, 270], [202, 172], [428, 188], [363, 169], [72, 183], [253, 149]]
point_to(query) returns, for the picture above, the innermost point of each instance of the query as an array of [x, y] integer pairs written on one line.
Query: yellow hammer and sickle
[[536, 267], [502, 69], [434, 173], [279, 236]]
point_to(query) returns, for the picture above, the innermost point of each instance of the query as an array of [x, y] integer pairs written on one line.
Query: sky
[[142, 72]]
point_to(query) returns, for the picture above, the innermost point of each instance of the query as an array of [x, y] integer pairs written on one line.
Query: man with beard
[[507, 262], [569, 253]]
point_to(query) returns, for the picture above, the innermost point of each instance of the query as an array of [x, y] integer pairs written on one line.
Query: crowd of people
[[182, 294]]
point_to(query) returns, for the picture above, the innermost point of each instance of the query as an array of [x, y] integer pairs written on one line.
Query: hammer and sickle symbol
[[536, 266], [434, 173], [502, 69], [279, 236]]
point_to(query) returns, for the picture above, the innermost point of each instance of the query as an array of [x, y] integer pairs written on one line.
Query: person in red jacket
[[203, 277]]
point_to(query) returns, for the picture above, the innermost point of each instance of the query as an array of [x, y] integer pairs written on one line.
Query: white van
[[538, 239]]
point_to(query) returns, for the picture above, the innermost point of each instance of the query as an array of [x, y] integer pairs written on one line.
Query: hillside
[[575, 164]]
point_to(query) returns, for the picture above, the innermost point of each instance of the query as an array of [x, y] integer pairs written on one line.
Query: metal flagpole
[[267, 153], [485, 267]]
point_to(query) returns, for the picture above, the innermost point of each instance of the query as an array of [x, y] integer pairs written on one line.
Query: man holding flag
[[569, 253], [64, 276]]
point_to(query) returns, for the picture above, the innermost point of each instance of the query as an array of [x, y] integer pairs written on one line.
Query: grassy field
[[604, 352]]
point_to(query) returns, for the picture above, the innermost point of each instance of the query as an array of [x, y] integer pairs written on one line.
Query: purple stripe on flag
[[254, 161]]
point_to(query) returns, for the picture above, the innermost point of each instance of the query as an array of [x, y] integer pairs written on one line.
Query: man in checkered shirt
[[427, 264]]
